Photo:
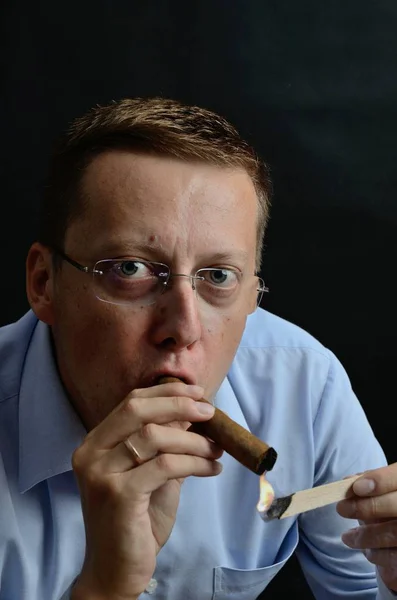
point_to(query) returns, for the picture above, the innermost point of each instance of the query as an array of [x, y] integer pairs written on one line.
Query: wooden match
[[309, 499]]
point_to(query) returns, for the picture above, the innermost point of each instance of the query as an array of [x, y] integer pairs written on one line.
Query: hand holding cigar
[[234, 439]]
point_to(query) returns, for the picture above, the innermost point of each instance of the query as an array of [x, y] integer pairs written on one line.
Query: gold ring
[[132, 450]]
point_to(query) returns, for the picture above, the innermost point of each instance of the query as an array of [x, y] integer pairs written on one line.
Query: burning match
[[279, 508], [234, 439]]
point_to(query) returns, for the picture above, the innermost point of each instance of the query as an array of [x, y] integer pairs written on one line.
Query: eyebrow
[[233, 255], [129, 248], [119, 249]]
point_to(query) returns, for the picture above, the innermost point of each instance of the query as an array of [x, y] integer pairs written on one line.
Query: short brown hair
[[153, 126]]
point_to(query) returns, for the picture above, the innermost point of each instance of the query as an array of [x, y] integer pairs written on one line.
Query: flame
[[266, 495]]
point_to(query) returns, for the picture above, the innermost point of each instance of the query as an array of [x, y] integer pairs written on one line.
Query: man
[[150, 241]]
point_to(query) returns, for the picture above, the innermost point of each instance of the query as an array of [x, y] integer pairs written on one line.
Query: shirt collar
[[49, 428]]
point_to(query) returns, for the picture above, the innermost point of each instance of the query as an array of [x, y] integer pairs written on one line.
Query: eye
[[220, 277], [131, 268]]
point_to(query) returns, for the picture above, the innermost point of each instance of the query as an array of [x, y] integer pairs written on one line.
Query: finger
[[152, 439], [179, 424], [195, 392], [137, 411], [388, 574], [138, 458], [383, 558], [373, 536], [165, 467], [377, 481], [367, 509], [171, 389]]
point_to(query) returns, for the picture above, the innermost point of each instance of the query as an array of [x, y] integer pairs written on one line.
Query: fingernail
[[349, 537], [362, 487], [218, 467], [205, 408]]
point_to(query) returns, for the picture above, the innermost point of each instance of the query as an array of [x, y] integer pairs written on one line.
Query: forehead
[[161, 201]]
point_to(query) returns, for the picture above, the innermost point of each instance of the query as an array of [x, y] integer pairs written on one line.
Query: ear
[[40, 282]]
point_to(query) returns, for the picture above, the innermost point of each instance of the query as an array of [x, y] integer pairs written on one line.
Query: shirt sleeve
[[344, 445]]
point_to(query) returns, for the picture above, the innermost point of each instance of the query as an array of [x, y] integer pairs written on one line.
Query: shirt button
[[151, 586]]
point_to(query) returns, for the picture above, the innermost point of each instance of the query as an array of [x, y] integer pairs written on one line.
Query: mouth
[[154, 379]]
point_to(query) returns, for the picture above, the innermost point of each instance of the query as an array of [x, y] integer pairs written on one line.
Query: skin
[[108, 355], [149, 207], [188, 216], [375, 506]]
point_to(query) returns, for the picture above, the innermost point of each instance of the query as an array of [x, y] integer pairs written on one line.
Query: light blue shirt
[[283, 385]]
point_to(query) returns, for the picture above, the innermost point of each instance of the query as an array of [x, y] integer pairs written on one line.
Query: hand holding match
[[309, 499]]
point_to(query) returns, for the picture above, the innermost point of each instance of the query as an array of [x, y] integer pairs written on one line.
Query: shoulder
[[267, 330], [14, 342], [281, 360], [294, 390]]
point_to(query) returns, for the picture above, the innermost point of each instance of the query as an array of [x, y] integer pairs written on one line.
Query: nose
[[177, 320]]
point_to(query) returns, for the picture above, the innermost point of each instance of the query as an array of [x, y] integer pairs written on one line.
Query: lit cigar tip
[[267, 462]]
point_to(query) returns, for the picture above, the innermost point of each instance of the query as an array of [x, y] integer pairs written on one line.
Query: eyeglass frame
[[261, 289]]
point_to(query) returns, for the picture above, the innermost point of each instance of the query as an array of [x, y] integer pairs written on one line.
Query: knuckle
[[372, 507], [148, 431], [132, 406], [78, 460], [165, 462]]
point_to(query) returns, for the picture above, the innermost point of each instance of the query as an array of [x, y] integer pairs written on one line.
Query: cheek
[[223, 326], [95, 335], [222, 337]]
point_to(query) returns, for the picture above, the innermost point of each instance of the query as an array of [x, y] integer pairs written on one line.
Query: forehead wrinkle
[[130, 247]]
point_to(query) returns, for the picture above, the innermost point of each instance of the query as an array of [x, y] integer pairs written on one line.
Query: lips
[[183, 376]]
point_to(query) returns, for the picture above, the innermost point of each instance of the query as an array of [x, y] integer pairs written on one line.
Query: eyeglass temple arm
[[262, 288], [73, 262]]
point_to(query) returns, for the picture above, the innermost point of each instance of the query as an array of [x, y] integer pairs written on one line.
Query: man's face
[[186, 215]]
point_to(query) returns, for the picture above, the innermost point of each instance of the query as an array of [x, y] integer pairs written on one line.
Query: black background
[[313, 85]]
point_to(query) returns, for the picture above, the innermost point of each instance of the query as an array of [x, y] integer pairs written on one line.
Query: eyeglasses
[[133, 281]]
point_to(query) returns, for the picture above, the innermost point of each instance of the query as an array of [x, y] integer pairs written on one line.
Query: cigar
[[237, 441], [309, 499]]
